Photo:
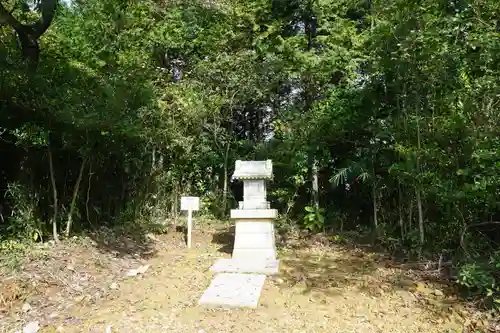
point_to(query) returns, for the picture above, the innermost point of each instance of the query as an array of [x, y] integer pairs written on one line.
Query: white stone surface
[[255, 226], [254, 190], [253, 169], [254, 245], [268, 267], [234, 290], [254, 240], [254, 205], [254, 213], [254, 254]]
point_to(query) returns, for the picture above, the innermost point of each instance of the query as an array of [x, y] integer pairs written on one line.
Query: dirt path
[[319, 289]]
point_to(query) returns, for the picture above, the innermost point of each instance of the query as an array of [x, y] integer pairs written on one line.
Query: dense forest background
[[379, 116]]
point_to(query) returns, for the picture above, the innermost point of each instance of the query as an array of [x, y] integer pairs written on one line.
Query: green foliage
[[314, 219], [483, 279], [381, 113], [13, 253], [23, 219]]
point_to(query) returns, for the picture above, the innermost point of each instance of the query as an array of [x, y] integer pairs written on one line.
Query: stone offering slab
[[268, 267], [231, 290]]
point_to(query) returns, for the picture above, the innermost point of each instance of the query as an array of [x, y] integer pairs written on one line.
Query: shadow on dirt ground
[[328, 263], [347, 282], [334, 266], [225, 238], [329, 270], [135, 241], [329, 273]]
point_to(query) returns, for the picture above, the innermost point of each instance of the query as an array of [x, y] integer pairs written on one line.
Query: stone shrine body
[[242, 277], [254, 220], [254, 243]]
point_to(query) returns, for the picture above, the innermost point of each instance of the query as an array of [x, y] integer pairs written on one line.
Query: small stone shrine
[[254, 243], [254, 220]]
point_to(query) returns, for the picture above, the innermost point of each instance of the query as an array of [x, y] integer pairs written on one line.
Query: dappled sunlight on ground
[[320, 288]]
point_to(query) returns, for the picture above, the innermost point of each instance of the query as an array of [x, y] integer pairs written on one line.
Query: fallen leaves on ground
[[84, 287]]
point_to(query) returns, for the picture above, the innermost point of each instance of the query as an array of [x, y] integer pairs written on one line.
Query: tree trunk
[[417, 190], [88, 194], [54, 193], [28, 35], [410, 215], [315, 184], [420, 218], [400, 208], [225, 189], [375, 209], [153, 161], [76, 189], [309, 94]]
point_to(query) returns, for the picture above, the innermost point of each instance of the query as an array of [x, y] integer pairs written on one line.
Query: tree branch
[[29, 34], [6, 17], [467, 227], [48, 11]]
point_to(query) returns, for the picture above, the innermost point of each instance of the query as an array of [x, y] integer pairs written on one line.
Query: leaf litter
[[77, 286]]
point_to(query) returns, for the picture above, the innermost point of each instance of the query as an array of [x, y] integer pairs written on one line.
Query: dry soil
[[82, 286]]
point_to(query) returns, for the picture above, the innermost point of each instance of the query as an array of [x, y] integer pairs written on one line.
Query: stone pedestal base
[[254, 235]]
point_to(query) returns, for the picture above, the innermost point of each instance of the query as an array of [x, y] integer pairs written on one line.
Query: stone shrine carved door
[[254, 190]]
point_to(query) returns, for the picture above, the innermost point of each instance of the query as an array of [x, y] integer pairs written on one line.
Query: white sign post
[[190, 204]]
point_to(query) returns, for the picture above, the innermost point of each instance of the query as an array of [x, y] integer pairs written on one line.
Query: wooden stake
[[189, 227]]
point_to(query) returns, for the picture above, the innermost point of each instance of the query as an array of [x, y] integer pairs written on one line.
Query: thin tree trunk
[[374, 202], [76, 189], [410, 215], [400, 208], [315, 184], [88, 193], [153, 161], [309, 94], [420, 218], [374, 182], [225, 189], [417, 190], [290, 203], [54, 193], [175, 200]]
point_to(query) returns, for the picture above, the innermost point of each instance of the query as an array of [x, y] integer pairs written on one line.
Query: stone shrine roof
[[253, 170]]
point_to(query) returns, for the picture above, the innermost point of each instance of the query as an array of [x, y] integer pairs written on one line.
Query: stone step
[[229, 290], [254, 254], [268, 267]]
